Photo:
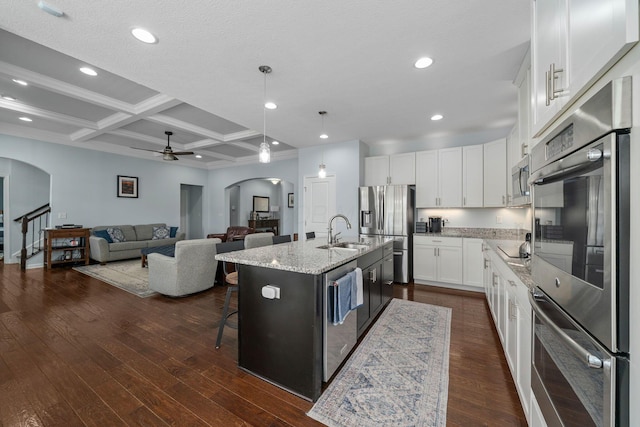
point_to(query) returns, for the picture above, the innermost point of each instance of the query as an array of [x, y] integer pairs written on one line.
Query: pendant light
[[265, 152], [322, 172]]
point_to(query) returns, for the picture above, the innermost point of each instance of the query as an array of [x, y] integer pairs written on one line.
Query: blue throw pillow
[[173, 231], [103, 234]]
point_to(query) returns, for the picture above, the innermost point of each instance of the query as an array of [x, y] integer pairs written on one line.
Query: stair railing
[[29, 226]]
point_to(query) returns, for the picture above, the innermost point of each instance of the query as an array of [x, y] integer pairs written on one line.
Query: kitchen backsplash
[[489, 218], [483, 233]]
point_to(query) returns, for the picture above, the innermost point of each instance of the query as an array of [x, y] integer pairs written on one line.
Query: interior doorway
[[319, 204], [191, 211]]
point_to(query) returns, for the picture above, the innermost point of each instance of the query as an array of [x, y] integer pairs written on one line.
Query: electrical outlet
[[498, 219], [62, 215]]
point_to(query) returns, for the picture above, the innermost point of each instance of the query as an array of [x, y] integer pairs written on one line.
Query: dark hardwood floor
[[75, 351]]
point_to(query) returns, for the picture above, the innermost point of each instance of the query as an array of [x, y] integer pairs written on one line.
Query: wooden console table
[[269, 224]]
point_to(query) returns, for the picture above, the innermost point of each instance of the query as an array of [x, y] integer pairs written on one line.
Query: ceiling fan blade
[[145, 149], [179, 153]]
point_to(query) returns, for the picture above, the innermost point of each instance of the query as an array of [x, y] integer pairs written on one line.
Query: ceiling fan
[[167, 153]]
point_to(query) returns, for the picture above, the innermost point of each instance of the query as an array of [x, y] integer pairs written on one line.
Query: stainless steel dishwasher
[[337, 340]]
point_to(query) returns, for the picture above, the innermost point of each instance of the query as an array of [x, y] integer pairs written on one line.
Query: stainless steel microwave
[[520, 187]]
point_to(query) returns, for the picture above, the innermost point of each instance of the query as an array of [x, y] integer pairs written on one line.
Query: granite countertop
[[521, 267], [302, 256]]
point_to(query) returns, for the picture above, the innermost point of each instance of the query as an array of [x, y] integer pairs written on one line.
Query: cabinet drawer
[[438, 241]]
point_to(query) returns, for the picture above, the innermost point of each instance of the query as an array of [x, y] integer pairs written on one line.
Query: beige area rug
[[126, 275], [398, 375]]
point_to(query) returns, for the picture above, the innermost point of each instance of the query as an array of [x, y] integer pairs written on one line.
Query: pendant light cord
[[264, 109]]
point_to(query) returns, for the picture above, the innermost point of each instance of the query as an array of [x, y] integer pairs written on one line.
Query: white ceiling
[[353, 59]]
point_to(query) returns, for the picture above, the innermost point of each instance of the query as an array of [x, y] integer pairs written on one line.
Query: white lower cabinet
[[472, 262], [437, 259], [509, 304]]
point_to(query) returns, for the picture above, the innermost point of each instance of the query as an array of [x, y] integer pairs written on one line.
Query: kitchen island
[[283, 333]]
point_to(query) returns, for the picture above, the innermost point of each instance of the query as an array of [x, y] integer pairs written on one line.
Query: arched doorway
[[24, 188], [239, 201]]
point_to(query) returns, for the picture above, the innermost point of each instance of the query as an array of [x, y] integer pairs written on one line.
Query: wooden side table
[[66, 246]]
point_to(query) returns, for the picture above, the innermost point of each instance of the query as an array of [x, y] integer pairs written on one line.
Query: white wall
[[441, 141], [344, 161]]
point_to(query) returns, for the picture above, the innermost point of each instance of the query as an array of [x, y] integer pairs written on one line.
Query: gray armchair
[[193, 269]]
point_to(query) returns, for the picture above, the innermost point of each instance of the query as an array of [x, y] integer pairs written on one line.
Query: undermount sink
[[345, 245]]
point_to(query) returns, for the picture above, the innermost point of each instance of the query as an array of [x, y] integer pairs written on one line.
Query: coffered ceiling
[[201, 81]]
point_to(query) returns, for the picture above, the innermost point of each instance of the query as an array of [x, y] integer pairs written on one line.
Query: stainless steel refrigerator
[[388, 211]]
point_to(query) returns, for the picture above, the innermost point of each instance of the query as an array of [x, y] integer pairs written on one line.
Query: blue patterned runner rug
[[398, 375]]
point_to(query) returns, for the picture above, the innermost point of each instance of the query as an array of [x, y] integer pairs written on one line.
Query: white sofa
[[136, 237], [193, 269]]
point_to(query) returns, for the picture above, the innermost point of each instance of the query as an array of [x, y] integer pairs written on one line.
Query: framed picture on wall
[[260, 204], [128, 186], [290, 200]]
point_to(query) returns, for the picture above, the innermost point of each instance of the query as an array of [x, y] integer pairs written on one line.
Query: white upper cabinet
[[495, 173], [573, 43], [427, 179], [439, 178], [396, 169], [472, 176], [402, 169], [376, 170], [450, 177], [549, 60]]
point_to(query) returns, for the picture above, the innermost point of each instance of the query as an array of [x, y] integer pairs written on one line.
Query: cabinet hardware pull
[[493, 281], [554, 76], [503, 199], [547, 101], [434, 252], [464, 200]]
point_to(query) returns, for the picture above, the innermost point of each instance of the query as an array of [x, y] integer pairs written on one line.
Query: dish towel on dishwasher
[[357, 296], [340, 297]]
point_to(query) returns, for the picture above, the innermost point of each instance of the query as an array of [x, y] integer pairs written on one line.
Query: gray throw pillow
[[116, 234], [160, 233]]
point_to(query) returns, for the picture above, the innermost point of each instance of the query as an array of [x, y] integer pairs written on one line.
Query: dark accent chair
[[281, 239], [235, 232]]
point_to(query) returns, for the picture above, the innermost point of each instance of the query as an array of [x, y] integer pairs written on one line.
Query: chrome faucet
[[331, 238]]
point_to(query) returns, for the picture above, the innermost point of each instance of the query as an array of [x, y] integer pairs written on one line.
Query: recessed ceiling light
[[25, 119], [436, 117], [275, 142], [9, 98], [89, 71], [198, 156], [324, 136], [144, 35], [423, 62], [20, 82], [270, 106]]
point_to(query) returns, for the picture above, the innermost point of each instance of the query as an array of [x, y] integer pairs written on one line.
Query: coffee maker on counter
[[435, 224]]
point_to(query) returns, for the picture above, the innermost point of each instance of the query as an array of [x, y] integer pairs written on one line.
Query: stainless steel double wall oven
[[580, 263]]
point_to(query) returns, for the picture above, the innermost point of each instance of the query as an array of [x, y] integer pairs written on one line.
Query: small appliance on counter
[[525, 248], [435, 224], [422, 227]]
